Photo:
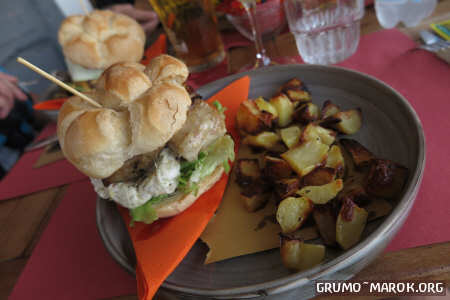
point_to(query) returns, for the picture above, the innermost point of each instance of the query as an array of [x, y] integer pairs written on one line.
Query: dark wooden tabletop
[[23, 219]]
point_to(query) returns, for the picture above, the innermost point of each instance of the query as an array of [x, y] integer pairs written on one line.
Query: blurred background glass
[[326, 31], [259, 21], [191, 26]]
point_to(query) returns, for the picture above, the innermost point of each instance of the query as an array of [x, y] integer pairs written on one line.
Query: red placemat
[[23, 179], [70, 262], [423, 79]]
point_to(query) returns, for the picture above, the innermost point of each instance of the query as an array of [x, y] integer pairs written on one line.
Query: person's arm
[[9, 92]]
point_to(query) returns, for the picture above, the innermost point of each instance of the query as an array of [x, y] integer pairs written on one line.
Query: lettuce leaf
[[220, 108], [218, 153], [146, 213]]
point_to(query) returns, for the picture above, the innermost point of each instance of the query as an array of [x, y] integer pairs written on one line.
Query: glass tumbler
[[191, 26], [326, 31]]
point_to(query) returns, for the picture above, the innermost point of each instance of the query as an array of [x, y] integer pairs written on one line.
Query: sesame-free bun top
[[140, 112], [101, 38]]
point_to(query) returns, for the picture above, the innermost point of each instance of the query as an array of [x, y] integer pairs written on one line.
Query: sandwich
[[149, 148], [93, 42]]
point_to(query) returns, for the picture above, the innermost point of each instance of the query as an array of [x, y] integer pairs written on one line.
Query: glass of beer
[[191, 26]]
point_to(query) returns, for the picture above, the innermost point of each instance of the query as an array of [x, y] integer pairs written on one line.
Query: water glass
[[326, 31]]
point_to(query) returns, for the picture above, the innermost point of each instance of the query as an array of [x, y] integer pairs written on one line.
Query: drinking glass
[[326, 31], [269, 18], [257, 14], [191, 26]]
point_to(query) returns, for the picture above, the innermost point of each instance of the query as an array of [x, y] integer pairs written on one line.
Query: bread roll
[[137, 116], [101, 38]]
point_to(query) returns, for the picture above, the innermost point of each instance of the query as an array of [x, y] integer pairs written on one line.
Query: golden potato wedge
[[325, 219], [297, 255], [285, 109], [335, 160], [305, 157], [254, 202], [250, 120], [315, 132], [360, 155], [287, 187], [276, 168], [321, 194], [291, 135], [350, 224], [319, 176], [296, 91], [386, 178], [266, 140], [248, 171], [292, 213], [329, 109], [264, 105], [307, 113], [350, 121]]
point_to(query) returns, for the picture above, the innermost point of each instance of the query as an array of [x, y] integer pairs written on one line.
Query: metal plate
[[391, 129]]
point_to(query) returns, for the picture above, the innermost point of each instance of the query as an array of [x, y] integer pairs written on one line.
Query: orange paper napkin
[[161, 246], [157, 48]]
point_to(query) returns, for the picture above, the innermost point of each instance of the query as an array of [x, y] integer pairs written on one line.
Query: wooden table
[[23, 219]]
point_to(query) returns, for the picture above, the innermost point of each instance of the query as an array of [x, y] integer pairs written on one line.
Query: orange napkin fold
[[161, 246], [54, 104], [157, 48]]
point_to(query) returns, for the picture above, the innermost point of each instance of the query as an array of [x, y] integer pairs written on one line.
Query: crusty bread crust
[[137, 117], [101, 38], [173, 208]]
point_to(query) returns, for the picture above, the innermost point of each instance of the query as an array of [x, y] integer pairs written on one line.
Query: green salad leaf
[[220, 108], [218, 153], [146, 213]]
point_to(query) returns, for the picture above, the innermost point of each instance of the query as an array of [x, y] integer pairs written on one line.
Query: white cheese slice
[[79, 73]]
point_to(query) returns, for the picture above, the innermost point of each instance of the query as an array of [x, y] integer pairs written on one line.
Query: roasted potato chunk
[[287, 187], [297, 255], [329, 109], [350, 121], [325, 219], [315, 132], [267, 140], [254, 202], [292, 213], [319, 176], [276, 168], [291, 135], [335, 160], [357, 193], [386, 178], [285, 109], [264, 105], [306, 157], [321, 194], [296, 91], [248, 171], [350, 224], [360, 155], [250, 120], [307, 113]]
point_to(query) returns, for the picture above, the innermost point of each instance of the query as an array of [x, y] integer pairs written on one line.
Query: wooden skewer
[[57, 81], [83, 6]]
